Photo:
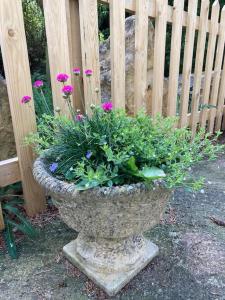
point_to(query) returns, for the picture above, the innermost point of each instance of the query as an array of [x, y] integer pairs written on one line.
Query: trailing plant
[[110, 148], [14, 219]]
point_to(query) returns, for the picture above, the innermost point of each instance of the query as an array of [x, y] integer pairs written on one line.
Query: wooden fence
[[73, 41]]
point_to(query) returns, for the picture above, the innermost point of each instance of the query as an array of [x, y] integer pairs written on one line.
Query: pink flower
[[88, 72], [79, 117], [38, 84], [67, 90], [25, 99], [76, 71], [62, 77], [107, 106]]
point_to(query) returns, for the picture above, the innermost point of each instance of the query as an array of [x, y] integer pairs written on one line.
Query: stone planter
[[110, 248]]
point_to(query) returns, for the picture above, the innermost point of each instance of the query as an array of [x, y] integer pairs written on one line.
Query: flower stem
[[45, 102], [68, 101], [80, 93]]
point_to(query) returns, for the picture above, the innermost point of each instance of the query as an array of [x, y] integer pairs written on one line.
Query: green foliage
[[45, 136], [103, 21], [40, 108], [35, 33], [14, 219], [111, 148]]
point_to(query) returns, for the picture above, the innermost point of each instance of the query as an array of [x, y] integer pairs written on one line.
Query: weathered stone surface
[[113, 213], [130, 256], [130, 57], [110, 222], [7, 142]]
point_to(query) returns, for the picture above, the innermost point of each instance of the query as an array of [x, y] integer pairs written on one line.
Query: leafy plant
[[14, 220], [110, 148]]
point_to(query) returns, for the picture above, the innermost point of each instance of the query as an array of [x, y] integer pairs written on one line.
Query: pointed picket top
[[216, 3], [205, 4], [215, 10], [222, 21], [222, 18]]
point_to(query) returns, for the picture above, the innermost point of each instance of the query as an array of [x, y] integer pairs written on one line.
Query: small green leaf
[[10, 240], [131, 164], [24, 225], [86, 185], [69, 175], [152, 173], [28, 230]]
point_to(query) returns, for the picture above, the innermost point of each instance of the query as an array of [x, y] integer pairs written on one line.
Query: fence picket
[[221, 96], [117, 47], [16, 65], [75, 52], [159, 56], [90, 51], [175, 57], [199, 63], [57, 31], [216, 78], [188, 55], [209, 61], [141, 53]]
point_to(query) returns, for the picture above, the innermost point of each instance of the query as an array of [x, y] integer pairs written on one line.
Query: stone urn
[[110, 248]]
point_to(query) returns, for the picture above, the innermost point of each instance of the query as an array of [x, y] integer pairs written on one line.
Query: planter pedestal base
[[111, 264]]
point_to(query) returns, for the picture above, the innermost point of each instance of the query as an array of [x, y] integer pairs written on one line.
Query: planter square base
[[110, 282]]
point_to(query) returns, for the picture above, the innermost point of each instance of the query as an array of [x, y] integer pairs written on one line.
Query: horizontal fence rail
[[73, 41], [9, 172]]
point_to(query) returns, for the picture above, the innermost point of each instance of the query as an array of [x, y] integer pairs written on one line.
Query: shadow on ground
[[191, 263]]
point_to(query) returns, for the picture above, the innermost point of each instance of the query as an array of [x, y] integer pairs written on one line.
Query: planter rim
[[45, 178]]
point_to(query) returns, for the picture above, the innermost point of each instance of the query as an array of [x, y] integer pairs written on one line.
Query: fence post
[[159, 56], [209, 61], [75, 52], [141, 55], [16, 65], [175, 57], [188, 56], [58, 23], [117, 45], [217, 69], [199, 64], [90, 50], [221, 95]]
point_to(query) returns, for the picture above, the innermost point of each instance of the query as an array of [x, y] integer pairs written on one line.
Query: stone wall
[[7, 142]]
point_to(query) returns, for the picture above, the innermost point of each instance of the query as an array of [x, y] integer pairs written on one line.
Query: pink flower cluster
[[67, 90], [76, 71], [79, 117], [62, 77], [25, 99], [38, 84], [88, 72], [107, 106]]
